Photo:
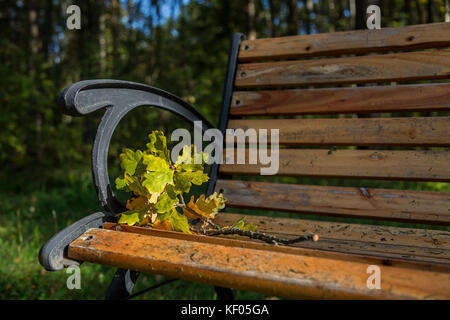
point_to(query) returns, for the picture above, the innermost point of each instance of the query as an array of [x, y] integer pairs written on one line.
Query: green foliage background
[[177, 45]]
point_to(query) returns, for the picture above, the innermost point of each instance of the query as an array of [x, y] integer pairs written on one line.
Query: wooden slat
[[379, 241], [426, 97], [423, 65], [408, 262], [396, 205], [371, 164], [269, 272], [431, 131], [387, 39]]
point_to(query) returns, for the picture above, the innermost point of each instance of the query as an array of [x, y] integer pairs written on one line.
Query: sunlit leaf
[[190, 160], [132, 162], [165, 203], [208, 207], [163, 225], [240, 224], [129, 217], [184, 180], [157, 181], [158, 145], [132, 183], [139, 216], [157, 187], [179, 222]]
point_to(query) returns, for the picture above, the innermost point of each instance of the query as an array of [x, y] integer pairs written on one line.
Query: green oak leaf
[[154, 163], [158, 175], [157, 181], [184, 180], [165, 202], [120, 183], [129, 217], [131, 183], [158, 145], [179, 222], [132, 162], [139, 216], [156, 185]]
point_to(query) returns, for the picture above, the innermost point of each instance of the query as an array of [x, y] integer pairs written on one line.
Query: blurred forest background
[[178, 45]]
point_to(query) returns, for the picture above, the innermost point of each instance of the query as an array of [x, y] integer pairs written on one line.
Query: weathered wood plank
[[371, 234], [428, 165], [388, 259], [422, 65], [269, 272], [362, 41], [432, 246], [430, 131], [426, 97], [386, 204]]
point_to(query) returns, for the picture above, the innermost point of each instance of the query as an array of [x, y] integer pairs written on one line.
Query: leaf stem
[[182, 201]]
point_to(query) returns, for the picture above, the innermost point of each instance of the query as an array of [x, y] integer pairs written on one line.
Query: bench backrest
[[278, 83]]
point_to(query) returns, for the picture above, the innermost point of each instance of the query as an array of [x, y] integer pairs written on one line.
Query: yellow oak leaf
[[154, 197], [137, 203], [163, 225], [205, 207], [189, 214]]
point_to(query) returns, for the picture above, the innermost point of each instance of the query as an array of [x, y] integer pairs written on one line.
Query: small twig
[[215, 226], [259, 235], [246, 233], [182, 201]]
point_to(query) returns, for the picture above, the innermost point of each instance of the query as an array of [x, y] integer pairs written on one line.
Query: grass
[[29, 218]]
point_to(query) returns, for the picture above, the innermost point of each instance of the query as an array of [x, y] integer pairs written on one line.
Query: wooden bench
[[276, 84]]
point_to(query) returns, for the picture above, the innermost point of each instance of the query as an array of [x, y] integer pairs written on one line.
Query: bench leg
[[122, 284], [124, 280], [224, 293]]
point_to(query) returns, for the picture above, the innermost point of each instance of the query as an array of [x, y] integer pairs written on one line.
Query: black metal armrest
[[118, 97], [53, 253]]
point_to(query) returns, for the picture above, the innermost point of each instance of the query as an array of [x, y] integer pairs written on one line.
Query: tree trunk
[[409, 12], [273, 15], [251, 9], [420, 12], [101, 37], [48, 30], [35, 47], [430, 7], [115, 17], [308, 7], [447, 11]]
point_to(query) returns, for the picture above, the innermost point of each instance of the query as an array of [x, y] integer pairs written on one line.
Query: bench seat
[[334, 267]]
